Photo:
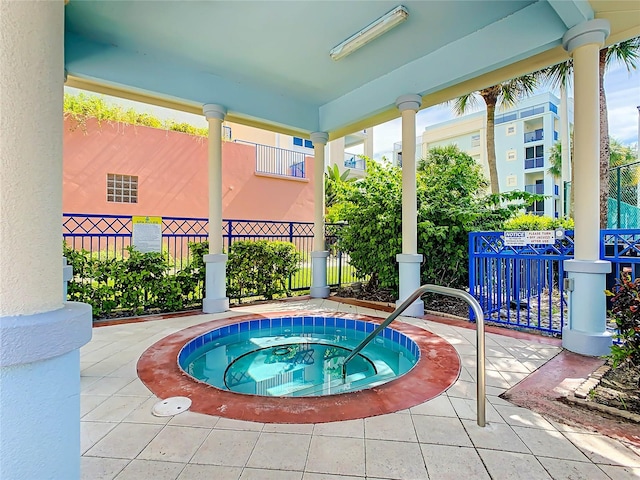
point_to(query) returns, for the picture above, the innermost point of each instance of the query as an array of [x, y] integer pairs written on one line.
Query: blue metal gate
[[523, 286]]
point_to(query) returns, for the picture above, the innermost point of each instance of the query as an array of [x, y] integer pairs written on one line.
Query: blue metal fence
[[108, 236], [522, 286]]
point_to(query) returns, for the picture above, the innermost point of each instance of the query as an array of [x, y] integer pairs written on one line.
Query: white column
[[565, 139], [216, 300], [409, 260], [319, 287], [40, 336], [585, 331]]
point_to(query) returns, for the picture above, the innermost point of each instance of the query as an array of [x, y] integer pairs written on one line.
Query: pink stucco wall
[[172, 175]]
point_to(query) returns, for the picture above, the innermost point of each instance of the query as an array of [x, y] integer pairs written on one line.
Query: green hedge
[[140, 283]]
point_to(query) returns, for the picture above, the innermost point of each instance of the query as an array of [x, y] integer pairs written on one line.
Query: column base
[[215, 305], [319, 287], [416, 309], [585, 331], [39, 411], [587, 343], [409, 271], [216, 300]]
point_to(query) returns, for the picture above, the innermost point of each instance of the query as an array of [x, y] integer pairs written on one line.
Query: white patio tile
[[126, 440], [107, 386], [621, 473], [390, 427], [347, 428], [142, 413], [89, 402], [303, 429], [135, 388], [326, 476], [462, 389], [445, 462], [549, 443], [495, 436], [571, 470], [508, 364], [139, 469], [522, 417], [114, 409], [92, 432], [260, 474], [230, 448], [175, 444], [194, 419], [439, 407], [213, 472], [336, 455], [604, 450], [231, 424], [399, 460], [100, 369], [467, 409], [441, 431], [280, 451], [510, 465], [93, 468]]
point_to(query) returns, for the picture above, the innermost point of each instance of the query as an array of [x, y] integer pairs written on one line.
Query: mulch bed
[[619, 388]]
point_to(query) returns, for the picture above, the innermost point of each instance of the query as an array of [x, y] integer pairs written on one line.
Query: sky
[[623, 97]]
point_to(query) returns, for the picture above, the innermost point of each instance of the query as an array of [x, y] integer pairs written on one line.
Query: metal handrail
[[480, 350]]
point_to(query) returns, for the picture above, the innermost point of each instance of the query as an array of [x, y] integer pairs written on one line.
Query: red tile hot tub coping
[[437, 369]]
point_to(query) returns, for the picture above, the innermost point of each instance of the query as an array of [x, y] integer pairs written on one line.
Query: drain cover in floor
[[171, 406]]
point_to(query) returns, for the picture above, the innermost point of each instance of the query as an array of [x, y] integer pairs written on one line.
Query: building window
[[226, 133], [299, 142], [511, 129], [512, 181], [122, 188], [475, 141], [511, 155]]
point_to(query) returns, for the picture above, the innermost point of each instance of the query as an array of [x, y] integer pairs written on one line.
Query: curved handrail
[[480, 350]]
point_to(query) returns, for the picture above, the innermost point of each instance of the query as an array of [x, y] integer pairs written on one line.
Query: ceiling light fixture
[[370, 32]]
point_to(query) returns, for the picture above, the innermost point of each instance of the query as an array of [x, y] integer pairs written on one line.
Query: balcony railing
[[354, 162], [278, 161], [537, 162], [537, 188], [534, 136]]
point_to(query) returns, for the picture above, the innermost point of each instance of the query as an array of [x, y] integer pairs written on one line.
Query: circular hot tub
[[297, 356]]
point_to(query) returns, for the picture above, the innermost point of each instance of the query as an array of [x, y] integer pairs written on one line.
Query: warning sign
[[531, 237], [147, 234]]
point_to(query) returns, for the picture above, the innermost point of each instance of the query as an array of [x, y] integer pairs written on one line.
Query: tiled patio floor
[[436, 440]]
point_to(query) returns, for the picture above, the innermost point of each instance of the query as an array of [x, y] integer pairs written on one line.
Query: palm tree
[[332, 179], [628, 53], [505, 95]]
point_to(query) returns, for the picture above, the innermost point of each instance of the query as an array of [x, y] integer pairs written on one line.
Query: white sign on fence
[[147, 234], [531, 237]]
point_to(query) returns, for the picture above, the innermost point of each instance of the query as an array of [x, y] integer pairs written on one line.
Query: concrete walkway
[[436, 440]]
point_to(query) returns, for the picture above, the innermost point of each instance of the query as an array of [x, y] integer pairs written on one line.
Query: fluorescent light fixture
[[370, 32]]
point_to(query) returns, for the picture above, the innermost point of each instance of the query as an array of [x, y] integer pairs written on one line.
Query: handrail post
[[480, 347]]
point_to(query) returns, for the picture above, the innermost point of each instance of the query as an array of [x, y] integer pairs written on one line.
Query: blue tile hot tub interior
[[297, 356]]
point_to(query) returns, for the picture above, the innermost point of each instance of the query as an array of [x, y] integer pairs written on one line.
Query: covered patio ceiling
[[268, 62]]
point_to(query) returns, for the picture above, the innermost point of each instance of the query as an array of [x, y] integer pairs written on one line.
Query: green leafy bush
[[451, 203], [529, 221], [625, 310], [138, 283]]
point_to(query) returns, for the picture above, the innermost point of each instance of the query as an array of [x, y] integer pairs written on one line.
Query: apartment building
[[524, 136]]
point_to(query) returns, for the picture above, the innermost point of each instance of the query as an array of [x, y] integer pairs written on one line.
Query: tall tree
[[504, 95], [627, 53]]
